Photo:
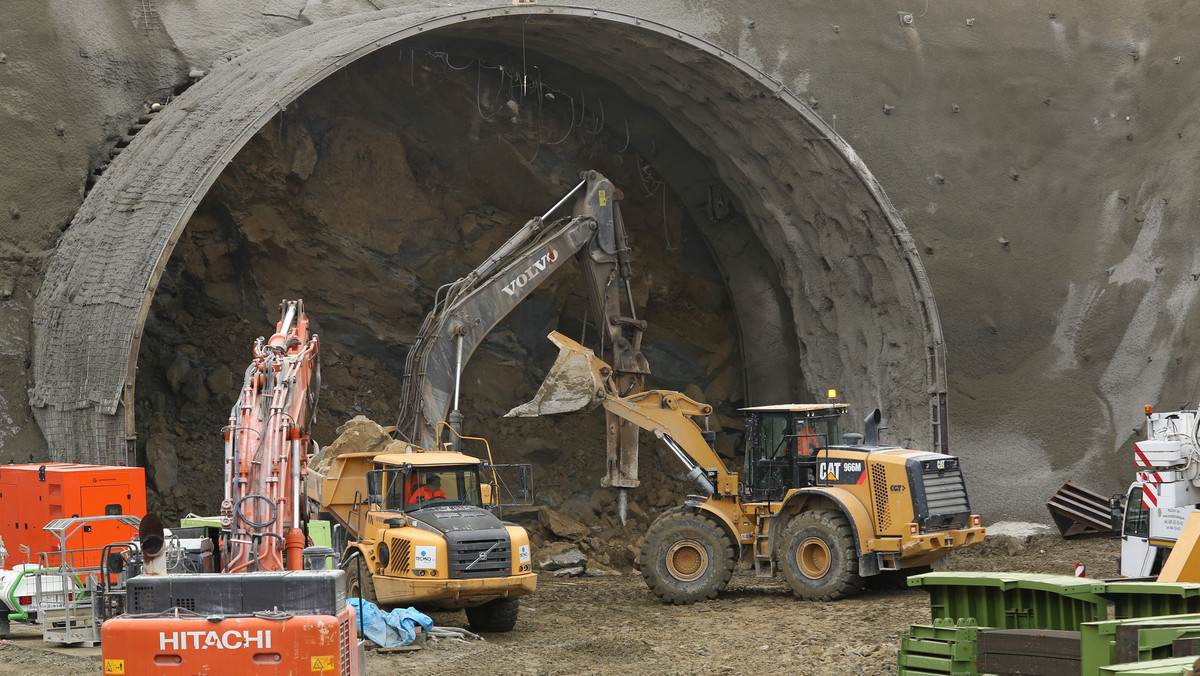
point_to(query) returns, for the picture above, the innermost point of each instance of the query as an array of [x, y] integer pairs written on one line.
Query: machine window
[[433, 486], [774, 428], [1137, 516]]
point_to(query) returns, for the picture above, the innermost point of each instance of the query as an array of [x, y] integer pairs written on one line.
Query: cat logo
[[941, 464], [841, 471]]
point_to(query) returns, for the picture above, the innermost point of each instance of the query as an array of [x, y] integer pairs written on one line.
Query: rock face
[[561, 525]]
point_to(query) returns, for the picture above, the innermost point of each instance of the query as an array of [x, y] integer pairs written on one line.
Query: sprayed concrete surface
[[1041, 158]]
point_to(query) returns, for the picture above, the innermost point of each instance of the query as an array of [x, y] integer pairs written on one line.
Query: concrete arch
[[825, 277]]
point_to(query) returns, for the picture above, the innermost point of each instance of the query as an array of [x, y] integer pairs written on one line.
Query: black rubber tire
[[686, 557], [831, 557], [4, 627], [359, 582], [494, 616]]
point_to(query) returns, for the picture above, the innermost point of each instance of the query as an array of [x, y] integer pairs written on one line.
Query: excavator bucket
[[574, 382]]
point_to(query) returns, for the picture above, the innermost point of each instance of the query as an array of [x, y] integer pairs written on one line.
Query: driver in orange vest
[[432, 490], [807, 442]]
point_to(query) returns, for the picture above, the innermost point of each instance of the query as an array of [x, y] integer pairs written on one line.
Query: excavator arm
[[466, 310], [266, 448]]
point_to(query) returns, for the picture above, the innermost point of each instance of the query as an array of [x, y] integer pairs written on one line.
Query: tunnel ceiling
[[827, 285]]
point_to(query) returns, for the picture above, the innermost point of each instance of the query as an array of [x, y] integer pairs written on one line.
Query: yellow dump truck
[[419, 528]]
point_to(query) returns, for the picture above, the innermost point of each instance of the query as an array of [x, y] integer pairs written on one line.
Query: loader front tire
[[686, 557], [494, 616], [359, 582], [818, 556]]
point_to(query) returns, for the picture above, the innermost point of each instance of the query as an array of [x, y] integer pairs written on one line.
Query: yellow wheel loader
[[826, 510]]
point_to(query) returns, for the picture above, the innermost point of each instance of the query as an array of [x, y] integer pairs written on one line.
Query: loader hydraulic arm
[[580, 379], [466, 310]]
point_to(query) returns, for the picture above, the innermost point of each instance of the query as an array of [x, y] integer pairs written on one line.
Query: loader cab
[[782, 444]]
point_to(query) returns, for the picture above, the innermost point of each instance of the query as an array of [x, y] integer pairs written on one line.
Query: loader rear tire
[[818, 556], [359, 582], [686, 557], [494, 616]]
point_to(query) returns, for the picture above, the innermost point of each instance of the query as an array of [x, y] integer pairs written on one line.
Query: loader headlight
[[384, 554], [975, 521]]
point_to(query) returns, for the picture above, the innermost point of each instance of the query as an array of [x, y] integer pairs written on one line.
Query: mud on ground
[[601, 625]]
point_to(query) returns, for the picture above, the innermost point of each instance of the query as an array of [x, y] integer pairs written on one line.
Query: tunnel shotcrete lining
[[847, 302]]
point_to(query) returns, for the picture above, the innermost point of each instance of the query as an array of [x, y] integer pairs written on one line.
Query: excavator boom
[[466, 310]]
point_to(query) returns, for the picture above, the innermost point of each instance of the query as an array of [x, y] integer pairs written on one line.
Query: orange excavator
[[266, 449]]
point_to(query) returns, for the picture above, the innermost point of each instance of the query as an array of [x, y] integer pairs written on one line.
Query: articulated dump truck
[[418, 527]]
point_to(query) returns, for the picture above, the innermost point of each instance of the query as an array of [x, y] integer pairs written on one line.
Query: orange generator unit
[[217, 624], [33, 495]]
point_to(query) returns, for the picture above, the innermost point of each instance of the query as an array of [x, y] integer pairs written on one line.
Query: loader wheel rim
[[687, 560], [812, 557]]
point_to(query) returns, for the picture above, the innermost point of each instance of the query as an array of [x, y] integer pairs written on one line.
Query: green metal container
[[1151, 599], [318, 531], [192, 521], [1154, 638], [943, 648], [1014, 600], [1172, 666]]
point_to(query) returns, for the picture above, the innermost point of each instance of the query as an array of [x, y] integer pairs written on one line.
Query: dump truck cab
[[423, 529]]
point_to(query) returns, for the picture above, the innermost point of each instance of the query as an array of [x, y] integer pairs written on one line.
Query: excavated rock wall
[[1040, 156]]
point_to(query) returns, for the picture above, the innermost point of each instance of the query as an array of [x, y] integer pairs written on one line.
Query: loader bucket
[[575, 382]]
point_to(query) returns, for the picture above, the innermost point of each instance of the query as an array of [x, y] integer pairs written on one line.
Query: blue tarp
[[390, 630]]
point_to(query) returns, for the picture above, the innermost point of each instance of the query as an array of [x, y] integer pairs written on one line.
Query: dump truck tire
[[686, 557], [494, 616], [818, 557], [359, 583]]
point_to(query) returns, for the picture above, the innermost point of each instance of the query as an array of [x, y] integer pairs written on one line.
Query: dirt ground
[[601, 625]]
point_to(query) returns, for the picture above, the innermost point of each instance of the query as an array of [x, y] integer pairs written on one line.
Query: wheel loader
[[825, 510]]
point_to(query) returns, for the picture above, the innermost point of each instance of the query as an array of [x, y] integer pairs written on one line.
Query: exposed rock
[[636, 509], [359, 435], [176, 371], [549, 559], [161, 457], [597, 569], [569, 572], [195, 391], [562, 525], [221, 380]]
